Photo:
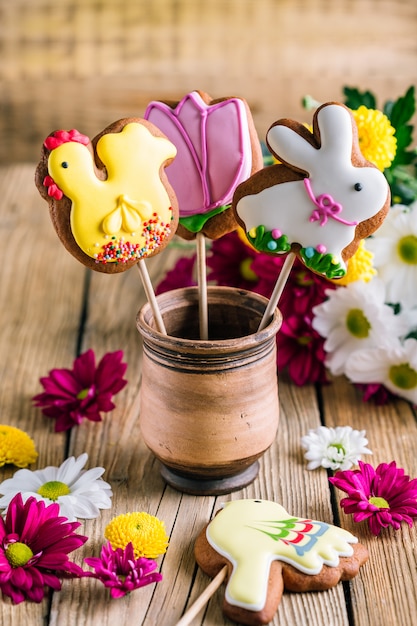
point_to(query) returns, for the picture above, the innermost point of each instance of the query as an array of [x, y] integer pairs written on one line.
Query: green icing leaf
[[195, 223], [265, 242], [322, 263]]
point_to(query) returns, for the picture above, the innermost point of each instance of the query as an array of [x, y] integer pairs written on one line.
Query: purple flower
[[83, 392], [34, 547], [384, 496], [120, 571]]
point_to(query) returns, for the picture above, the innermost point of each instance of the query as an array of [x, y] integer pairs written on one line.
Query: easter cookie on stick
[[319, 201], [109, 199], [261, 550]]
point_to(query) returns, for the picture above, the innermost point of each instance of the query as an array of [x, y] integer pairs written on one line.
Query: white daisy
[[356, 317], [79, 493], [334, 448], [394, 246], [394, 367]]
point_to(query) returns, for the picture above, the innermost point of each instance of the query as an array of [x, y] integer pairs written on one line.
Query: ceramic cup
[[209, 408]]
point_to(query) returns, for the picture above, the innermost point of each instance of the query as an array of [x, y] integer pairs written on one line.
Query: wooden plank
[[41, 296], [390, 576]]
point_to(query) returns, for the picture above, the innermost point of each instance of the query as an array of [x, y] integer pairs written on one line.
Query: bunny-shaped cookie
[[321, 199]]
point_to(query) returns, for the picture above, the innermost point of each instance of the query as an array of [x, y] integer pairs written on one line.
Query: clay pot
[[209, 409]]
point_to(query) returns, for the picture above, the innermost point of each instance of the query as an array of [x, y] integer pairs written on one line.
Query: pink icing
[[327, 207], [213, 150], [64, 136]]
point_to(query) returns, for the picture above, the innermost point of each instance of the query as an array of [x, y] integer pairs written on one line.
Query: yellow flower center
[[53, 489], [407, 249], [18, 554], [146, 533], [82, 394], [16, 447], [357, 324], [381, 503], [246, 271], [403, 376]]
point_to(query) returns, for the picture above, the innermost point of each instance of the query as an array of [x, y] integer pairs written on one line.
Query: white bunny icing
[[321, 212]]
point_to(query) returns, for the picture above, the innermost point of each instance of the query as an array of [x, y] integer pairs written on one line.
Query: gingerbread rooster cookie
[[266, 550], [218, 148], [110, 200], [322, 197]]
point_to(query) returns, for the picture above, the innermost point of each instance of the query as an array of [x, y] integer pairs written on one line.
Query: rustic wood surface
[[51, 308], [86, 63]]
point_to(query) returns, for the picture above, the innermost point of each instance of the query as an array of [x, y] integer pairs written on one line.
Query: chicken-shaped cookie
[[110, 200], [321, 199], [267, 550], [218, 148]]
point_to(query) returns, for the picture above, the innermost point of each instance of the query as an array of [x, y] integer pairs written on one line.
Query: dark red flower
[[182, 275], [34, 547], [83, 392], [301, 351]]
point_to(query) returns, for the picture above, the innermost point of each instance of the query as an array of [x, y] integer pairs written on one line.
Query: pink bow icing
[[327, 207], [212, 151]]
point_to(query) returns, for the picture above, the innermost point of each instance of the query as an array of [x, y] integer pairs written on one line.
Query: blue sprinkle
[[272, 245], [309, 252]]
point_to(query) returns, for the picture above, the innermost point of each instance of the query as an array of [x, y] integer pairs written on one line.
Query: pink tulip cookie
[[218, 148], [322, 197], [266, 550], [110, 200]]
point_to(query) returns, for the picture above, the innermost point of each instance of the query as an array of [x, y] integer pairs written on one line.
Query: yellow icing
[[131, 207], [253, 533]]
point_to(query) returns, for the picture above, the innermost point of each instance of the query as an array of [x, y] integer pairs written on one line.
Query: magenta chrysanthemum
[[34, 547], [384, 496], [121, 572], [86, 391]]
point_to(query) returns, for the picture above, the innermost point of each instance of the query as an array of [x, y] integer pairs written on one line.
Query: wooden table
[[51, 309]]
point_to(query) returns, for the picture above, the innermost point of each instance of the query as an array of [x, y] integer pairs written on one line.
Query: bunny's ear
[[291, 147], [336, 134]]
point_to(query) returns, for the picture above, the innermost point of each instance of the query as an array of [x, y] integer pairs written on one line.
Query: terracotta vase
[[209, 408]]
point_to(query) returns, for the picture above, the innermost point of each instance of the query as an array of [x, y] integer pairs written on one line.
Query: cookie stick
[[110, 201], [217, 149], [320, 200], [203, 598]]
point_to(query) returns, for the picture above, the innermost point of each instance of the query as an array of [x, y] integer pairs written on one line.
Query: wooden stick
[[150, 294], [277, 292], [203, 598], [202, 286]]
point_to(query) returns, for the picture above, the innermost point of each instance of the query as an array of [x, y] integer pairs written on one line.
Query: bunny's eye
[[357, 187], [64, 164]]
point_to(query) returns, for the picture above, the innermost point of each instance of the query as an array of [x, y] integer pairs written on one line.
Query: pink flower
[[301, 351], [180, 276], [231, 263], [83, 392], [121, 572], [384, 496], [34, 547]]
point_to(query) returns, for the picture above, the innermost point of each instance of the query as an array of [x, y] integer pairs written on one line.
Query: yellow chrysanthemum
[[359, 267], [16, 447], [146, 532], [376, 136]]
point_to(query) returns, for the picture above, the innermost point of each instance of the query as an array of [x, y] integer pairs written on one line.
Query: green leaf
[[355, 98], [403, 109]]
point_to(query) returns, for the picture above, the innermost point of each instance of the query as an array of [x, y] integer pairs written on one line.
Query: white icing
[[288, 207]]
